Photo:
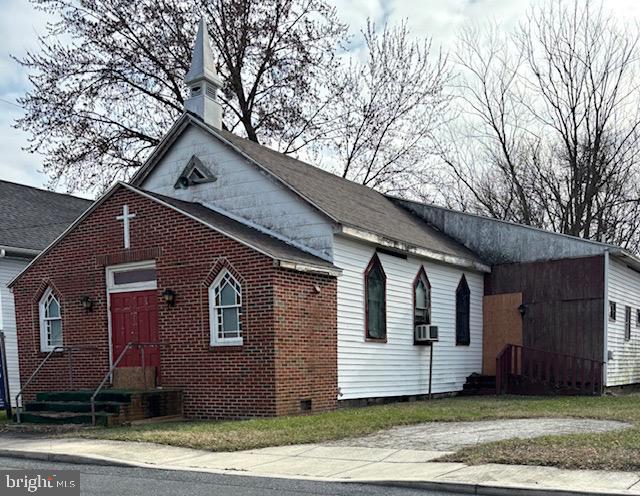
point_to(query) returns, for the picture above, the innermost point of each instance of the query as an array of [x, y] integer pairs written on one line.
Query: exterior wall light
[[169, 297], [522, 309], [87, 303]]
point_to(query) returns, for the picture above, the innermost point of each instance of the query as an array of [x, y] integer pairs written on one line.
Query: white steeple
[[203, 82]]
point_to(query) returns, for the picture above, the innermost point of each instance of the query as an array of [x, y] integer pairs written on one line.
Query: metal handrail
[[55, 349], [113, 367]]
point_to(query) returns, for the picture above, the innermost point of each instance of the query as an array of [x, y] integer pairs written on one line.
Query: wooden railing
[[524, 370]]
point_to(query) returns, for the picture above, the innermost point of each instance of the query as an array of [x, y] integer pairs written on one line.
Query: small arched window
[[375, 282], [463, 307], [50, 321], [225, 310], [421, 299]]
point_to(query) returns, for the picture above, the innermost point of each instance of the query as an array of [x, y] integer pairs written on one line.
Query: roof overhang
[[313, 269], [289, 263], [628, 258], [436, 256]]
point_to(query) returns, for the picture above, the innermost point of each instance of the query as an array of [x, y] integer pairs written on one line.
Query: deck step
[[478, 385], [113, 406], [109, 395], [102, 418], [72, 406]]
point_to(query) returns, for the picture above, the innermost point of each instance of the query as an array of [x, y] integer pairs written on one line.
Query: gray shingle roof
[[347, 203], [274, 247], [350, 204], [31, 218]]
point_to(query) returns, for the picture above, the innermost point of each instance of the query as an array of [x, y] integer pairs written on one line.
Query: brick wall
[[289, 350], [305, 347]]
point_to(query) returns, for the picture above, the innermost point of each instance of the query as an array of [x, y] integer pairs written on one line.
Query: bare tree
[[389, 108], [552, 121], [107, 80]]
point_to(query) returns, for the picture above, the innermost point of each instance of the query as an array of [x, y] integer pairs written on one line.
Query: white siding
[[9, 268], [241, 190], [397, 367], [624, 289]]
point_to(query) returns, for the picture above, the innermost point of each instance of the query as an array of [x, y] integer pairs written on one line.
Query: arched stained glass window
[[225, 302], [375, 282], [463, 307], [421, 299]]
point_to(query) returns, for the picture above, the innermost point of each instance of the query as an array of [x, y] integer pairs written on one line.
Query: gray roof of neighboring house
[[274, 247], [347, 203], [31, 218]]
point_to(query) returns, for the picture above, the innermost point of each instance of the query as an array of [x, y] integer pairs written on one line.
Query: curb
[[64, 458], [453, 487], [489, 490]]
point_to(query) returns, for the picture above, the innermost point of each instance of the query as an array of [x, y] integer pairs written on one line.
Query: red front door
[[134, 319]]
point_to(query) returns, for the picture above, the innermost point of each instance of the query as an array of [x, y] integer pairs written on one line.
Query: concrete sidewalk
[[332, 463]]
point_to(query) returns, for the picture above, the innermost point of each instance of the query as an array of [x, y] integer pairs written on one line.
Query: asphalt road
[[124, 481]]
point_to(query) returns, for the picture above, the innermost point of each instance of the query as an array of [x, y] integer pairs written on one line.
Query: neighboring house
[[30, 219], [262, 285]]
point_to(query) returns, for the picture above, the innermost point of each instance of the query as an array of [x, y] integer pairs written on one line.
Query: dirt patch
[[452, 436]]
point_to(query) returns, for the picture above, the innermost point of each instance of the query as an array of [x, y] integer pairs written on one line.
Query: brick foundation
[[289, 353]]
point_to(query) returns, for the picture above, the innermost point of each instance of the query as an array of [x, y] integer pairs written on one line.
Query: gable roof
[[346, 203], [31, 218], [287, 256]]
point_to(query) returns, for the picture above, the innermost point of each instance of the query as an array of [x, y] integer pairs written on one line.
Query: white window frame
[[45, 346], [112, 287], [213, 313]]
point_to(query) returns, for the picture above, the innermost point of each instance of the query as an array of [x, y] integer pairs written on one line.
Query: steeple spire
[[203, 82]]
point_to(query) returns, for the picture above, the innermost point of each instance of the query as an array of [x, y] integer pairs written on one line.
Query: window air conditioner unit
[[426, 333]]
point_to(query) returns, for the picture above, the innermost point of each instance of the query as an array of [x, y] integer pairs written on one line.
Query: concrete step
[[73, 406], [102, 418]]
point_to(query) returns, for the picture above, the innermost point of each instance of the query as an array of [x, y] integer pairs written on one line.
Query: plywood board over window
[[502, 326]]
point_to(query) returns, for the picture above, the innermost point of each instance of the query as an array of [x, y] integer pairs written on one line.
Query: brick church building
[[257, 285]]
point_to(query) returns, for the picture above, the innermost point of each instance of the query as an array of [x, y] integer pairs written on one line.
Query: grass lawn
[[607, 451]]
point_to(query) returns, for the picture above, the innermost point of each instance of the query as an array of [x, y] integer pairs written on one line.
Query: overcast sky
[[20, 26]]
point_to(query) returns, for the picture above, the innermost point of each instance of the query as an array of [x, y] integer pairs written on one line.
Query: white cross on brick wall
[[126, 217]]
